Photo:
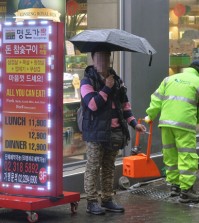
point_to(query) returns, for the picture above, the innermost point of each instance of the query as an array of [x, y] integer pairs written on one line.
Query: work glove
[[147, 119]]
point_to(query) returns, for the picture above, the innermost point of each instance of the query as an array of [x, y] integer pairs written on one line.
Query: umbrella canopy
[[111, 40]]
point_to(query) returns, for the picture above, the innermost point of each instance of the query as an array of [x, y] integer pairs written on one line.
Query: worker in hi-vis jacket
[[176, 100]]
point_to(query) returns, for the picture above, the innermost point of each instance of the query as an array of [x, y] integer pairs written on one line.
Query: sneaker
[[189, 196], [175, 190], [93, 207], [113, 207]]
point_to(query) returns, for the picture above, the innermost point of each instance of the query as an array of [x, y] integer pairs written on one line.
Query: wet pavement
[[148, 203]]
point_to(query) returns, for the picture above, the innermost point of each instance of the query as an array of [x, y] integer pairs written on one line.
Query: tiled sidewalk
[[145, 204]]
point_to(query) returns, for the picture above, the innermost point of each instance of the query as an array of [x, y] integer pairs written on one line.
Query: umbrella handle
[[151, 56], [112, 60]]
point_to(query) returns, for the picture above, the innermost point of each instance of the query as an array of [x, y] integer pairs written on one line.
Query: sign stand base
[[32, 204]]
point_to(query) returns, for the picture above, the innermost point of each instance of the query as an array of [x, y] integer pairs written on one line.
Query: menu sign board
[[26, 106]]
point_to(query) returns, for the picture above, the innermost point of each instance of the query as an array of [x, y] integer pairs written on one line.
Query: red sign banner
[[30, 136]]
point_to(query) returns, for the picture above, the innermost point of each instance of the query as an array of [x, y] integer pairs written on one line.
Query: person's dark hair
[[93, 53], [195, 65]]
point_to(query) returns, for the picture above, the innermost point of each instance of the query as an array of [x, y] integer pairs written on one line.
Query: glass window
[[81, 15], [75, 63], [2, 10], [183, 33]]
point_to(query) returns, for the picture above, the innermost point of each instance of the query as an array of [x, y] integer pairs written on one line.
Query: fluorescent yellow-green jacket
[[176, 99]]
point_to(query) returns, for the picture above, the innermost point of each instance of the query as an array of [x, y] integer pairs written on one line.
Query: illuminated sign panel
[[21, 10], [28, 65]]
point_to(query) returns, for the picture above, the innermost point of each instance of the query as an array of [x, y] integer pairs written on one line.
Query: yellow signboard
[[25, 133], [25, 66]]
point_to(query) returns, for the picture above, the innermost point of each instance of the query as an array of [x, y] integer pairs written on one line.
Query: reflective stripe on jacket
[[176, 99]]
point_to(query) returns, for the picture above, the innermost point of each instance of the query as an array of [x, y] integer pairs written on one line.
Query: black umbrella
[[111, 40]]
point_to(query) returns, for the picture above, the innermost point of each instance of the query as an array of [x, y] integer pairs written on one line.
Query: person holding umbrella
[[102, 92], [177, 99]]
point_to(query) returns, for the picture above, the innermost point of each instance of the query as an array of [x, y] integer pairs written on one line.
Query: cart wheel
[[74, 206], [32, 216]]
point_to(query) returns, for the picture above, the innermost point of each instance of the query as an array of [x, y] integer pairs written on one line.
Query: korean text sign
[[27, 104]]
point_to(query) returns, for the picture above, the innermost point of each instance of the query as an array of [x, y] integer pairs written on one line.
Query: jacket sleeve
[[94, 100], [156, 101], [126, 106]]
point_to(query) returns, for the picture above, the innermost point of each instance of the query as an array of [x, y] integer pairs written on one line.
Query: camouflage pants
[[100, 167]]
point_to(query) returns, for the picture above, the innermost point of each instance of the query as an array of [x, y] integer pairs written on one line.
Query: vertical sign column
[[26, 108]]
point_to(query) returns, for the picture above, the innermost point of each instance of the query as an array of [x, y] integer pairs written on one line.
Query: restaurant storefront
[[183, 33], [170, 26]]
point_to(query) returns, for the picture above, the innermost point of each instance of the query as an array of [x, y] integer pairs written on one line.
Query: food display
[[76, 61]]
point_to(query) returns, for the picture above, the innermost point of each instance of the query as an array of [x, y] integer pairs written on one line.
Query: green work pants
[[179, 156]]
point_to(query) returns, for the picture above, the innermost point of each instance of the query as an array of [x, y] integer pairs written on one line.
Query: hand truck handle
[[137, 137]]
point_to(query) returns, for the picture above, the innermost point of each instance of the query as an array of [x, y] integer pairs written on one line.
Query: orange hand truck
[[141, 165]]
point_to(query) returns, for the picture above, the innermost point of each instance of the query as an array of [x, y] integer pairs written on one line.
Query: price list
[[25, 143]]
